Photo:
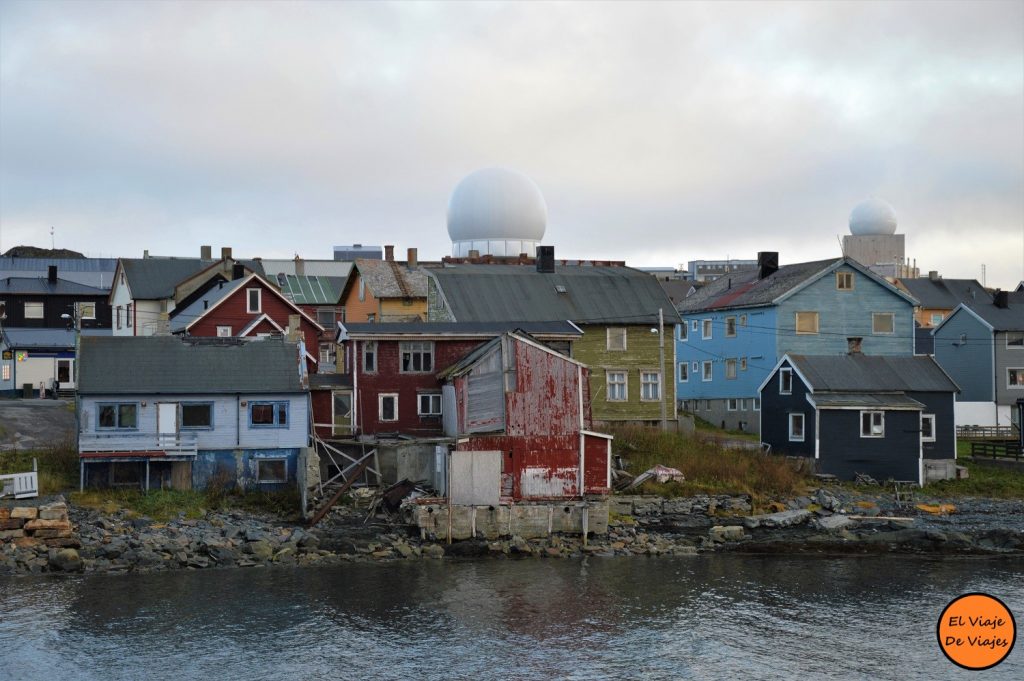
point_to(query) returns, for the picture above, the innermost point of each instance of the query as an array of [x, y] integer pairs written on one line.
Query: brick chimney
[[206, 252], [412, 259], [389, 252], [225, 253], [1001, 299], [51, 274]]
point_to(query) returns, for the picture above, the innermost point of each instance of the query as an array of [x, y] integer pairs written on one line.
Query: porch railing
[[179, 444]]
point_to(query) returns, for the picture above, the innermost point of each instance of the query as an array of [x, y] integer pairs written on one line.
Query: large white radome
[[495, 205], [872, 217]]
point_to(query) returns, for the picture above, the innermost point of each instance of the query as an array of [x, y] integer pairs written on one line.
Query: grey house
[[981, 346], [884, 416]]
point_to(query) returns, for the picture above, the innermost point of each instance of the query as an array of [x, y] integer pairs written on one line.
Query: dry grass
[[58, 465], [708, 467]]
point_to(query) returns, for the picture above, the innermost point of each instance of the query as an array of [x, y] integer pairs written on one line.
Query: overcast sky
[[658, 133]]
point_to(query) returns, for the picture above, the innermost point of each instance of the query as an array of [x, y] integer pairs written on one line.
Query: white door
[[167, 422]]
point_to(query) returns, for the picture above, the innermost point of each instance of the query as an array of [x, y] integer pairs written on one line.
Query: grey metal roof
[[743, 289], [41, 286], [194, 311], [945, 294], [872, 373], [1002, 318], [484, 329], [863, 401], [583, 294], [141, 365], [28, 338], [12, 264], [390, 279], [155, 278], [311, 290]]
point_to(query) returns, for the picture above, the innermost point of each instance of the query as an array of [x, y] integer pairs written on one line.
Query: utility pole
[[661, 366]]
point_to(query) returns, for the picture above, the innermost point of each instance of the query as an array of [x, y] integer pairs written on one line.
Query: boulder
[[25, 512], [833, 523], [261, 550], [433, 551], [781, 519], [724, 533], [66, 560]]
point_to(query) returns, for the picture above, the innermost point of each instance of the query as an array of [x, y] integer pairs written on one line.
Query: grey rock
[[724, 533], [433, 551], [781, 519], [66, 560], [833, 523]]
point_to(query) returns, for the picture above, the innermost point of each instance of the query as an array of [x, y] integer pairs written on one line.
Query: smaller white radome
[[496, 203], [872, 217]]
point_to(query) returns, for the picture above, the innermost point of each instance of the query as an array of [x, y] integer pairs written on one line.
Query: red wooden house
[[518, 397], [247, 307]]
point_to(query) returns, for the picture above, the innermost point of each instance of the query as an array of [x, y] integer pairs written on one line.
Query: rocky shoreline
[[829, 521]]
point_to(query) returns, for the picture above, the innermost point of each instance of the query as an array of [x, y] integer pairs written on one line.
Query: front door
[[64, 375], [167, 423]]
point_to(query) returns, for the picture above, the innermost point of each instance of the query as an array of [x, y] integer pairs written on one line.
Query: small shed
[[887, 417]]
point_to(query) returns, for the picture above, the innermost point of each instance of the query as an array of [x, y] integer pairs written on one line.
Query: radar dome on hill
[[496, 211], [872, 217]]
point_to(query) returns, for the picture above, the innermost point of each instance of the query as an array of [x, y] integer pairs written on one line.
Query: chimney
[[473, 254], [237, 271], [300, 266], [546, 259], [389, 252], [1001, 299], [51, 274], [934, 275], [767, 263], [294, 328], [225, 253], [206, 252], [412, 259], [853, 345], [145, 253]]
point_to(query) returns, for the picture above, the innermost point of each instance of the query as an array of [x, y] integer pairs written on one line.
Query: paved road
[[32, 424]]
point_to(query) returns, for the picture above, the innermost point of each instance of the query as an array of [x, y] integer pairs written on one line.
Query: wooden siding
[[844, 453], [402, 309], [941, 405], [756, 341], [641, 354], [358, 311], [53, 307], [775, 411], [969, 364], [1006, 358], [843, 314]]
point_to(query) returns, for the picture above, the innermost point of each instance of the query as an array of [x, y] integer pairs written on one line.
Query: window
[[325, 316], [362, 289], [883, 322], [616, 386], [785, 381], [757, 404], [271, 470], [743, 363], [650, 386], [928, 427], [128, 315], [268, 414], [197, 415], [326, 353], [695, 366], [706, 331], [706, 404], [223, 332], [705, 374], [371, 317], [730, 369], [33, 310], [387, 407], [1014, 340], [743, 404], [693, 325], [86, 310], [1015, 379], [796, 427], [254, 298], [743, 320], [342, 405], [5, 372], [937, 318], [806, 322], [429, 404], [682, 331], [120, 416], [684, 372], [370, 357], [731, 404], [730, 327], [117, 316], [417, 357], [616, 338], [844, 281], [872, 424]]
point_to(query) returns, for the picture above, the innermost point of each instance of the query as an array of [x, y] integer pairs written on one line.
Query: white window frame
[[732, 404], [431, 398], [646, 382], [362, 290], [684, 372], [793, 417], [612, 384], [695, 326], [5, 371], [707, 329], [743, 363], [1019, 371], [423, 349], [269, 460], [707, 371], [326, 354], [875, 431], [380, 407], [743, 404], [608, 338], [34, 305], [118, 316], [695, 367], [844, 278], [683, 335], [937, 318], [248, 300], [931, 418], [875, 316], [757, 404], [796, 322], [86, 310], [223, 332], [370, 349], [785, 371], [731, 369], [743, 320], [730, 327], [1019, 335]]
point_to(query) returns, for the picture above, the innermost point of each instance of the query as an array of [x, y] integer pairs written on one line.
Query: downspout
[[356, 404], [579, 390], [238, 420]]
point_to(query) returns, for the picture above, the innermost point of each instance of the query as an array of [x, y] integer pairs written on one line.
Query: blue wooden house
[[981, 345], [737, 327], [159, 411], [887, 417]]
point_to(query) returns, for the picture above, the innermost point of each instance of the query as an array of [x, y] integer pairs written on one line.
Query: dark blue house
[[887, 417]]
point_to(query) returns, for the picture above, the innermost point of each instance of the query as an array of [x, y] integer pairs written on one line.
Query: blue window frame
[[117, 416], [196, 416], [268, 414]]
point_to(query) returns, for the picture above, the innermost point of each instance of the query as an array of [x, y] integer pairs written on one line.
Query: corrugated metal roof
[[141, 365], [315, 268], [945, 294], [155, 278], [10, 264], [872, 373], [484, 329], [390, 279], [863, 401], [194, 311], [582, 294], [311, 290], [42, 286]]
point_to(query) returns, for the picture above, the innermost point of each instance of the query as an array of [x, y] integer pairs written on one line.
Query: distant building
[[357, 252], [874, 243], [709, 270]]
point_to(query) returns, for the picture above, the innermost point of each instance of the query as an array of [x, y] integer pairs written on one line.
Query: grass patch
[[711, 429], [708, 467], [163, 505], [983, 481], [58, 465]]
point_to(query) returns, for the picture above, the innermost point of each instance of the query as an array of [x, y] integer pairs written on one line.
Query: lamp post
[[74, 321]]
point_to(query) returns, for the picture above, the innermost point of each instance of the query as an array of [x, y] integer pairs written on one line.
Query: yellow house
[[937, 297], [385, 290]]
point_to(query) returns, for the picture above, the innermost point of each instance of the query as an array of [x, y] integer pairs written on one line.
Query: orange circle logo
[[976, 631]]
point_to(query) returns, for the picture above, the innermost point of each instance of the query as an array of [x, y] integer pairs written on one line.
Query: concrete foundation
[[527, 520]]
